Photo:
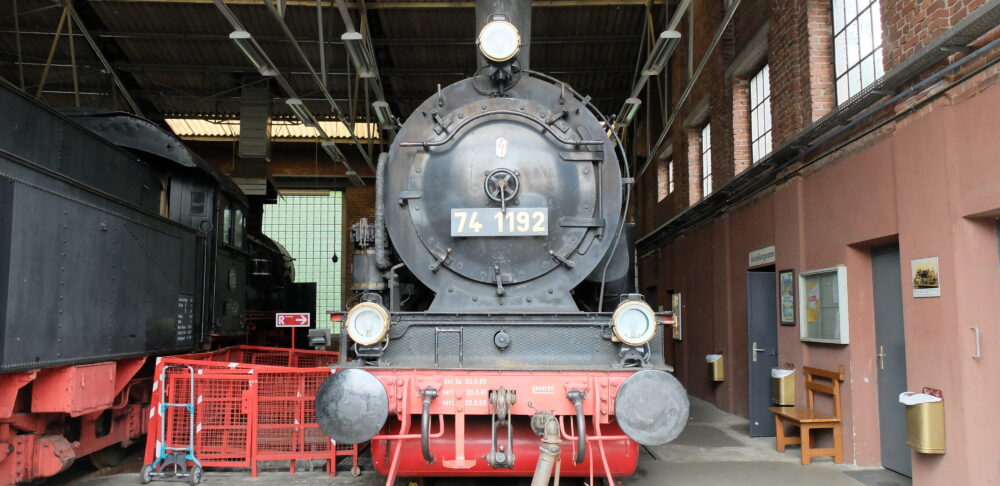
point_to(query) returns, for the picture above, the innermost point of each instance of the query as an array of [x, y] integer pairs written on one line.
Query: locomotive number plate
[[493, 222]]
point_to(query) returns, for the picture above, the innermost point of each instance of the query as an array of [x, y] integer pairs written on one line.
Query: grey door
[[763, 342], [890, 357]]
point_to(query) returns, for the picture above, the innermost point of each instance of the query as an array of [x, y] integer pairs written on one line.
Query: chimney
[[519, 13]]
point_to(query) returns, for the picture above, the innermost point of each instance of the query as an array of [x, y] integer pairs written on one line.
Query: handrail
[[429, 143], [401, 436]]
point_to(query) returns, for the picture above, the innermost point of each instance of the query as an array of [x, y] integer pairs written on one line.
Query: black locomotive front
[[499, 249]]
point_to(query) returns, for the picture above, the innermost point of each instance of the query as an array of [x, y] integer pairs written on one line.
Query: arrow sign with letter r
[[291, 319]]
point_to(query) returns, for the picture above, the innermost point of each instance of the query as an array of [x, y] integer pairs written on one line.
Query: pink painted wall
[[932, 183]]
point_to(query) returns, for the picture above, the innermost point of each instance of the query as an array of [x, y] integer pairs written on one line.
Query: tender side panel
[[6, 212], [90, 279], [37, 133]]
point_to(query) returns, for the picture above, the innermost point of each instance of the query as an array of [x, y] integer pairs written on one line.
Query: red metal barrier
[[252, 404]]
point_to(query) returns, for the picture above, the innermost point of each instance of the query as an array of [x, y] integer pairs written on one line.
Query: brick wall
[[821, 96], [359, 202], [908, 25], [742, 155], [803, 90], [694, 168], [800, 54]]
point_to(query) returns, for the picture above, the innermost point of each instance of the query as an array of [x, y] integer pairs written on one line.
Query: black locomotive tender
[[117, 241]]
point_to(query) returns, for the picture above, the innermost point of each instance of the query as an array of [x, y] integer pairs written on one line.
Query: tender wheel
[[355, 471], [107, 457], [146, 473], [195, 476]]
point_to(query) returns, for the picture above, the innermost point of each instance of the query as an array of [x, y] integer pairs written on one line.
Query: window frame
[[670, 176], [227, 224], [844, 25], [763, 104], [239, 227], [706, 156]]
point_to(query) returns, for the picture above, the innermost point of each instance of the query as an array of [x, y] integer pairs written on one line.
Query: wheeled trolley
[[172, 459]]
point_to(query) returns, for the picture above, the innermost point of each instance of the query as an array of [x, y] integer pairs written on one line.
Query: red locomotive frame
[[106, 399], [460, 432]]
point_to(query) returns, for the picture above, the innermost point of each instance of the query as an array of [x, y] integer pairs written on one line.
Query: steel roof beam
[[104, 61], [214, 96], [449, 71], [596, 39], [312, 72], [287, 88], [416, 5]]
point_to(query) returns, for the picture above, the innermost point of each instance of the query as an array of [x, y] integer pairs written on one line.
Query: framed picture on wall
[[675, 306], [786, 297]]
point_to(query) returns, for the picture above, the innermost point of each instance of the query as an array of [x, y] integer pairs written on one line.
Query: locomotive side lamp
[[499, 41], [634, 323], [367, 323]]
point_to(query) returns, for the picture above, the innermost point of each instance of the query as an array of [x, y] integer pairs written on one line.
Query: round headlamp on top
[[634, 323], [499, 41], [367, 323]]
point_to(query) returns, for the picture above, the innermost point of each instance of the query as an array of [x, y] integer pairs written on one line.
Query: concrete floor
[[714, 450]]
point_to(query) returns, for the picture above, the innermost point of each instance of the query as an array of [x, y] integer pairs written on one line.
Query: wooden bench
[[808, 418]]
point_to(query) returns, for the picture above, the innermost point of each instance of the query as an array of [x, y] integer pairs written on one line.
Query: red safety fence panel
[[259, 355], [251, 404]]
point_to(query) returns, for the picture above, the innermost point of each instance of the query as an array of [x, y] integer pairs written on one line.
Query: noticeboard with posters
[[823, 305]]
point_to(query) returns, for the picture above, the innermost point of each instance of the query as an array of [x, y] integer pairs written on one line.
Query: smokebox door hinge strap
[[442, 122], [559, 258], [571, 222], [499, 277], [586, 156], [440, 259], [405, 196]]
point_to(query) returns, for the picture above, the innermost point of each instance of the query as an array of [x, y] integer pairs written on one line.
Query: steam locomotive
[[116, 243], [499, 331]]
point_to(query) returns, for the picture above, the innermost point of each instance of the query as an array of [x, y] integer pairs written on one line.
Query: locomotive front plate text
[[495, 222]]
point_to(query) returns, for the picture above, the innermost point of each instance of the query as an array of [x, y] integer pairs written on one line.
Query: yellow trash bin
[[925, 431], [717, 367], [782, 387]]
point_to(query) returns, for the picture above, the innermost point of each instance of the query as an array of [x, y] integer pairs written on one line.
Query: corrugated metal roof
[[200, 128], [177, 59]]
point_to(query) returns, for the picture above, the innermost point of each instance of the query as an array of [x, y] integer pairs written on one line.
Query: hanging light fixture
[[253, 52]]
